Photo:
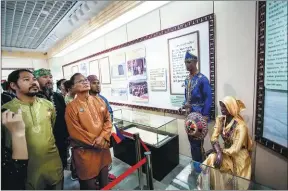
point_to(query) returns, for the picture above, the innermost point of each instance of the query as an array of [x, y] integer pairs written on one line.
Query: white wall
[[18, 62], [235, 23]]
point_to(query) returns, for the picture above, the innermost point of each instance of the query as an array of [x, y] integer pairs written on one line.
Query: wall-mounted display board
[[104, 65], [133, 65], [177, 49], [83, 68], [94, 68], [118, 66], [271, 113]]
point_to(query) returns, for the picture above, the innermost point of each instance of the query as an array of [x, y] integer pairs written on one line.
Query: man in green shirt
[[44, 167]]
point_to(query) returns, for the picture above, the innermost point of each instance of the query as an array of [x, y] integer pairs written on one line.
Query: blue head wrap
[[190, 57]]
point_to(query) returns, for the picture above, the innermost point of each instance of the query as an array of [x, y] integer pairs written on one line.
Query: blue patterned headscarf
[[190, 57]]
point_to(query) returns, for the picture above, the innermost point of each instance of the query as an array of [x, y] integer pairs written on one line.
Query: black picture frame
[[260, 94]]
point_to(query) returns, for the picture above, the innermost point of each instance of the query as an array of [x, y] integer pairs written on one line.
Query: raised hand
[[14, 123]]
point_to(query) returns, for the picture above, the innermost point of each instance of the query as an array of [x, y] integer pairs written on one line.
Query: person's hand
[[187, 106], [99, 142], [195, 134], [106, 145], [14, 123], [180, 111], [218, 161]]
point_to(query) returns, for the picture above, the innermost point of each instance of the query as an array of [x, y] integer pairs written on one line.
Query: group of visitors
[[40, 125]]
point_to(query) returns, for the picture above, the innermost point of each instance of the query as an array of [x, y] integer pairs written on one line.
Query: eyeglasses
[[82, 81]]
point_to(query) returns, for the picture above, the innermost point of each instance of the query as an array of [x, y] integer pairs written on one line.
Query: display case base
[[164, 159]]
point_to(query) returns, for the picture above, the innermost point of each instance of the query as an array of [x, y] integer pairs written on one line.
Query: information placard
[[276, 46], [158, 80]]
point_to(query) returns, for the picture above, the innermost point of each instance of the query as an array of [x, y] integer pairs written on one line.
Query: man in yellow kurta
[[89, 125], [44, 166]]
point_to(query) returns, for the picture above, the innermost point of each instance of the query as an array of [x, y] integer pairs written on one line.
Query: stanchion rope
[[131, 169]]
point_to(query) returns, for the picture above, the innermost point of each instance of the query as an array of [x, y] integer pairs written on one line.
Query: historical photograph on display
[[74, 69], [119, 93], [118, 66], [138, 91], [84, 69], [137, 69], [177, 48], [119, 71]]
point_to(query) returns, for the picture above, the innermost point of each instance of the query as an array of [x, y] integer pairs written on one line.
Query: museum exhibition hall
[[144, 95]]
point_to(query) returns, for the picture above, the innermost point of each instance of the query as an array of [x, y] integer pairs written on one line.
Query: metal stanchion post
[[138, 157], [149, 172]]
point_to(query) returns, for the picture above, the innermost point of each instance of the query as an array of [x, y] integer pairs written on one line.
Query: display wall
[[138, 72], [271, 119]]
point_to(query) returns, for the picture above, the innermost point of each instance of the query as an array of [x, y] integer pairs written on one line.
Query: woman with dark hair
[[89, 125], [14, 162]]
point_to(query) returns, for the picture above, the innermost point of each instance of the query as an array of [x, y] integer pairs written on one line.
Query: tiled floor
[[131, 182]]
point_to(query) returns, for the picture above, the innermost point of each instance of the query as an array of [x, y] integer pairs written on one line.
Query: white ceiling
[[38, 25]]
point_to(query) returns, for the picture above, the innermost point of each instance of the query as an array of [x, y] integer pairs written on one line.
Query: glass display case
[[154, 130], [212, 179], [159, 134]]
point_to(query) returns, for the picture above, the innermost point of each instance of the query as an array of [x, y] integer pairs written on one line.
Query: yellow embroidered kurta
[[87, 119], [44, 166]]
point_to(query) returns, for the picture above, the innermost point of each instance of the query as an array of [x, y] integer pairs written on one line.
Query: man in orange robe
[[89, 125]]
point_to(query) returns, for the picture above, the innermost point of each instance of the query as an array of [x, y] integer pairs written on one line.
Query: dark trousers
[[197, 150], [91, 184]]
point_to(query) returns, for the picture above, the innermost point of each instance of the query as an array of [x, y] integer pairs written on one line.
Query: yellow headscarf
[[234, 107]]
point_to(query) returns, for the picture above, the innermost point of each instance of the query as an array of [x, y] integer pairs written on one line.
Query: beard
[[94, 92], [31, 94], [47, 90]]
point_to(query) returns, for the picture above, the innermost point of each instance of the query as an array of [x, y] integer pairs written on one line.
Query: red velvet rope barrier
[[125, 174], [131, 169]]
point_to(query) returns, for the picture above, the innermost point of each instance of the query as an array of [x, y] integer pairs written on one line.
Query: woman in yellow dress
[[234, 159]]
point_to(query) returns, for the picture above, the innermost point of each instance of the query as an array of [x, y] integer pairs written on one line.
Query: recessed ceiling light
[[45, 12], [70, 22], [36, 28], [81, 11]]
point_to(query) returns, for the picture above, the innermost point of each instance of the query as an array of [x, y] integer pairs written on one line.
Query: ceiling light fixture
[[75, 17], [45, 12], [86, 7], [81, 11], [70, 22], [127, 17]]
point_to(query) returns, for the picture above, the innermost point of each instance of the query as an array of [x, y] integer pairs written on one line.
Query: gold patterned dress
[[236, 152]]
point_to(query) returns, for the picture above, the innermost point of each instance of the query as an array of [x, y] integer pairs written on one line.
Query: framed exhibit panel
[[118, 66], [177, 47], [271, 103], [94, 68], [152, 74], [104, 66]]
